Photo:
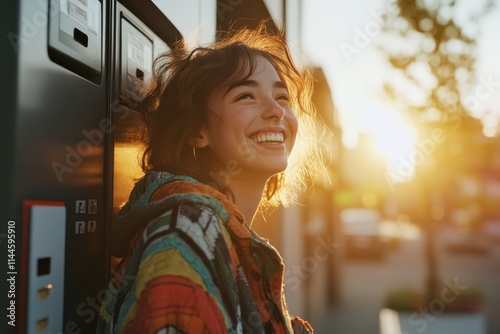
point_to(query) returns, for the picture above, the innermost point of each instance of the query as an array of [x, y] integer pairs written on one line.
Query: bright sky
[[355, 78]]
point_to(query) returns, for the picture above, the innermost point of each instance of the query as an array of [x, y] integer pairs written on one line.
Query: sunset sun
[[395, 140]]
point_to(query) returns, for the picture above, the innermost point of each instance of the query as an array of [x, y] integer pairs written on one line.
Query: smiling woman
[[252, 116], [191, 90], [221, 125]]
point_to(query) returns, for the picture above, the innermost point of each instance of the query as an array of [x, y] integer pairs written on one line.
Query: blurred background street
[[366, 282]]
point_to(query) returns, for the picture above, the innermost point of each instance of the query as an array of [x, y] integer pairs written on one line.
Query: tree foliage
[[436, 55]]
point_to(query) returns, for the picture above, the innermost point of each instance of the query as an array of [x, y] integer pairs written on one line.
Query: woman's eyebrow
[[280, 84], [252, 83]]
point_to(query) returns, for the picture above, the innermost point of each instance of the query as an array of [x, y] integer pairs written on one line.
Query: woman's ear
[[201, 139]]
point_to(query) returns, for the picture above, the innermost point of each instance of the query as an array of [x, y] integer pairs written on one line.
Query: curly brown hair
[[175, 108]]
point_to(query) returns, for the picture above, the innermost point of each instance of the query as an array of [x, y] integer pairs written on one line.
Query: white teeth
[[269, 137]]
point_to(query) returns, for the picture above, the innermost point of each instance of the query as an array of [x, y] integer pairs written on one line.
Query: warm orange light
[[127, 172], [395, 140], [369, 200]]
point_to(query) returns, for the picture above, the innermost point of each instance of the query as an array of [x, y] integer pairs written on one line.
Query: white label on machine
[[139, 52], [87, 12]]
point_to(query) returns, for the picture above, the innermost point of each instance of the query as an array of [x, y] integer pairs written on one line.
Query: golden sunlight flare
[[395, 140]]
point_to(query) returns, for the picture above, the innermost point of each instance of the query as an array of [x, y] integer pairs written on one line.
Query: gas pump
[[55, 205]]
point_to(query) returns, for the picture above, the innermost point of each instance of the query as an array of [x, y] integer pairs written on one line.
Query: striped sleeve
[[184, 277]]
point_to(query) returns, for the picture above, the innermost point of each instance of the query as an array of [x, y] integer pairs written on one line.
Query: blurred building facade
[[465, 175]]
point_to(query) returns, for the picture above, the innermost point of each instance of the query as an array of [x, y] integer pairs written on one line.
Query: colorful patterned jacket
[[191, 265]]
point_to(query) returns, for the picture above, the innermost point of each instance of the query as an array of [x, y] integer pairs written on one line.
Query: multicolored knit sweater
[[191, 265]]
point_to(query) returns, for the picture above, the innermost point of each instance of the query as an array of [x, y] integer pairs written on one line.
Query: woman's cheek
[[293, 124]]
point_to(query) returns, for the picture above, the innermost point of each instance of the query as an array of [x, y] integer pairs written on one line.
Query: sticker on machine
[[87, 12], [80, 227]]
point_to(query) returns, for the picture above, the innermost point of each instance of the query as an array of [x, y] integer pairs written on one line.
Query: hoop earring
[[194, 153]]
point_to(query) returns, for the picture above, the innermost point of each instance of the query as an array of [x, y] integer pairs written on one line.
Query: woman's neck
[[247, 196]]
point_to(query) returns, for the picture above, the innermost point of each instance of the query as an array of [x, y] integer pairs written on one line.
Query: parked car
[[361, 233]]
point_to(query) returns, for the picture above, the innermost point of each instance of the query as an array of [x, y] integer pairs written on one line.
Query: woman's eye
[[283, 98], [246, 96]]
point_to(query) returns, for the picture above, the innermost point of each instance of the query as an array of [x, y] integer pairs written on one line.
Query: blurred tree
[[435, 56], [434, 61]]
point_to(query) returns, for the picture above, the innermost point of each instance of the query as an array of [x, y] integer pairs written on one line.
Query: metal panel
[[75, 36], [58, 137], [137, 45], [136, 59]]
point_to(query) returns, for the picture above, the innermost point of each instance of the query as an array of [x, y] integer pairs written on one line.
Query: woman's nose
[[274, 110]]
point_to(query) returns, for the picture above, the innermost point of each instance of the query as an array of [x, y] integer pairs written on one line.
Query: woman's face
[[251, 128]]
